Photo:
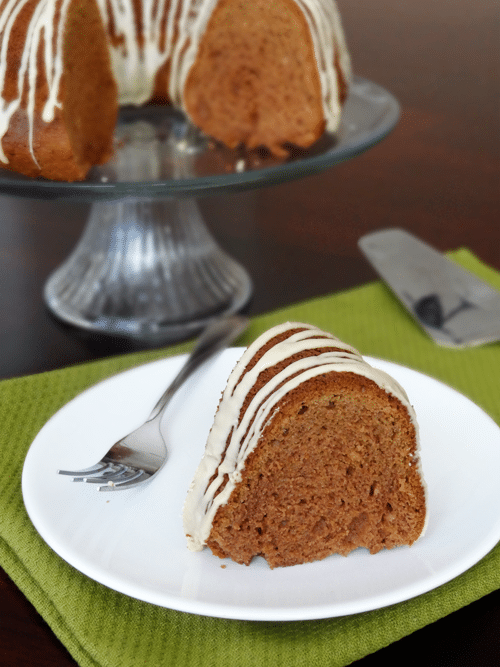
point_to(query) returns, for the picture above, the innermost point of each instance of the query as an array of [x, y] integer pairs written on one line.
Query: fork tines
[[109, 475]]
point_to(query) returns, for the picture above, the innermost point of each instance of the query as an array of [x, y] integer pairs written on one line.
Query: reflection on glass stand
[[146, 266]]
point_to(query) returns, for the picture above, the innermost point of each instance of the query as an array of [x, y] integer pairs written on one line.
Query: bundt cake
[[312, 452], [262, 73]]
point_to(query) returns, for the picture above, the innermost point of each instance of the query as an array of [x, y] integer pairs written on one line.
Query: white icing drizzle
[[136, 59], [328, 38], [240, 434]]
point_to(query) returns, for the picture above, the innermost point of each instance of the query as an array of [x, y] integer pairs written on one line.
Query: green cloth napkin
[[103, 628]]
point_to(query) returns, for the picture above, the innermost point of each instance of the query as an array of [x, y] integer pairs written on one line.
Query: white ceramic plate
[[132, 541]]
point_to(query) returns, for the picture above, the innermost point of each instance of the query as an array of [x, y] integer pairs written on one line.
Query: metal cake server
[[452, 305]]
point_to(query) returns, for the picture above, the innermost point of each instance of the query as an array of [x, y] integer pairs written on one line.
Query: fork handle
[[214, 338]]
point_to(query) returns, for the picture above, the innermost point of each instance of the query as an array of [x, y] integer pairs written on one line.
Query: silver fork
[[140, 455]]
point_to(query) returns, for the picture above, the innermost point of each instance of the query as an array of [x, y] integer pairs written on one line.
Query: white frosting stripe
[[136, 59], [234, 436]]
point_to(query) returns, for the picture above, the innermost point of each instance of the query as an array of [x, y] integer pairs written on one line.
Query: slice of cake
[[312, 452]]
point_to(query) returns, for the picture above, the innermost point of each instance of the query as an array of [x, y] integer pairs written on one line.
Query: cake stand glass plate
[[157, 155], [146, 266], [132, 541]]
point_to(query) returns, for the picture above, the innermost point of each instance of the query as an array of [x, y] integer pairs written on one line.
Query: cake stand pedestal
[[147, 269], [146, 266]]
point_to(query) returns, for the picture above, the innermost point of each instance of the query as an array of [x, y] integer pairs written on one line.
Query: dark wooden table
[[437, 175]]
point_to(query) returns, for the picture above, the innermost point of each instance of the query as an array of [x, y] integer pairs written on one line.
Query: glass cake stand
[[146, 266]]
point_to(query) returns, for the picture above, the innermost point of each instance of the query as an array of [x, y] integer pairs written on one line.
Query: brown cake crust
[[335, 469], [80, 134]]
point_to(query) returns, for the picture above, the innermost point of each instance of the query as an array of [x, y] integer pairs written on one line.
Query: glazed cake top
[[235, 435]]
